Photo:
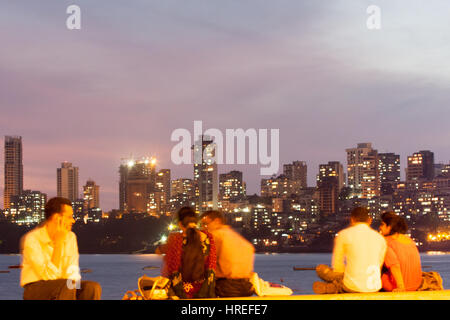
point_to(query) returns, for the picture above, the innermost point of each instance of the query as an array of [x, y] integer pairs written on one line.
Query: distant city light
[[441, 236]]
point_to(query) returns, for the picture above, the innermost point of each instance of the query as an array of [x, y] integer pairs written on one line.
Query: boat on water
[[150, 268], [303, 268]]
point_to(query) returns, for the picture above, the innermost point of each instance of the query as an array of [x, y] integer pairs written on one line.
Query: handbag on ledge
[[155, 288]]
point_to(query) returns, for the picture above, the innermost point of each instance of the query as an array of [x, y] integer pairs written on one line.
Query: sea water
[[118, 273]]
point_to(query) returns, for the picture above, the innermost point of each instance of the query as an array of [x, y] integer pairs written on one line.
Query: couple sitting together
[[366, 261], [212, 262]]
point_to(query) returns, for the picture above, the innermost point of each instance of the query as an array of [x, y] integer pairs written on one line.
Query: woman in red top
[[402, 266], [190, 259]]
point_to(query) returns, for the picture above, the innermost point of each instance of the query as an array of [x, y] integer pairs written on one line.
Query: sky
[[136, 71]]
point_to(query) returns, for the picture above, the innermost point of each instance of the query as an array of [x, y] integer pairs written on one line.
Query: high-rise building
[[184, 187], [91, 195], [438, 168], [297, 172], [27, 208], [278, 187], [79, 212], [328, 197], [362, 171], [13, 169], [280, 205], [182, 193], [332, 169], [231, 186], [442, 183], [355, 163], [160, 198], [205, 174], [261, 217], [330, 181], [389, 168], [445, 170], [67, 181], [442, 180], [163, 184], [137, 182], [371, 184], [156, 205], [420, 167]]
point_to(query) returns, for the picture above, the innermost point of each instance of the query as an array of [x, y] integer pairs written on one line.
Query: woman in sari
[[190, 259]]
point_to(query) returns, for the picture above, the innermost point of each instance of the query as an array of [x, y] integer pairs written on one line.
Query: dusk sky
[[138, 70]]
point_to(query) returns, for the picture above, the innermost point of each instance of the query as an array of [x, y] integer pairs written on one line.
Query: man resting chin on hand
[[50, 268]]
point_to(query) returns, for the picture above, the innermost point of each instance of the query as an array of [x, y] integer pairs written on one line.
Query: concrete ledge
[[411, 295]]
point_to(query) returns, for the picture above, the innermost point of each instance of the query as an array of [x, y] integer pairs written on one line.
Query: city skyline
[[311, 175], [311, 69]]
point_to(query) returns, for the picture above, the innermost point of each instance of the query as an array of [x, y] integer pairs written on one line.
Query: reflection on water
[[119, 273]]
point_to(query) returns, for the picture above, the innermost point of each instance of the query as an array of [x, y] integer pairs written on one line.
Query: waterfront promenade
[[411, 295]]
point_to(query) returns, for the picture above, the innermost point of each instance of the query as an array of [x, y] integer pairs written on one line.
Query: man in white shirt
[[50, 269], [358, 256]]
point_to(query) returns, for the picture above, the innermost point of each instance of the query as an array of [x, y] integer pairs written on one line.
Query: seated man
[[50, 258], [235, 257], [363, 250]]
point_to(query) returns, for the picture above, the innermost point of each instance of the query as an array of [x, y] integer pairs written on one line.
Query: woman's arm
[[162, 249], [397, 274], [172, 259]]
